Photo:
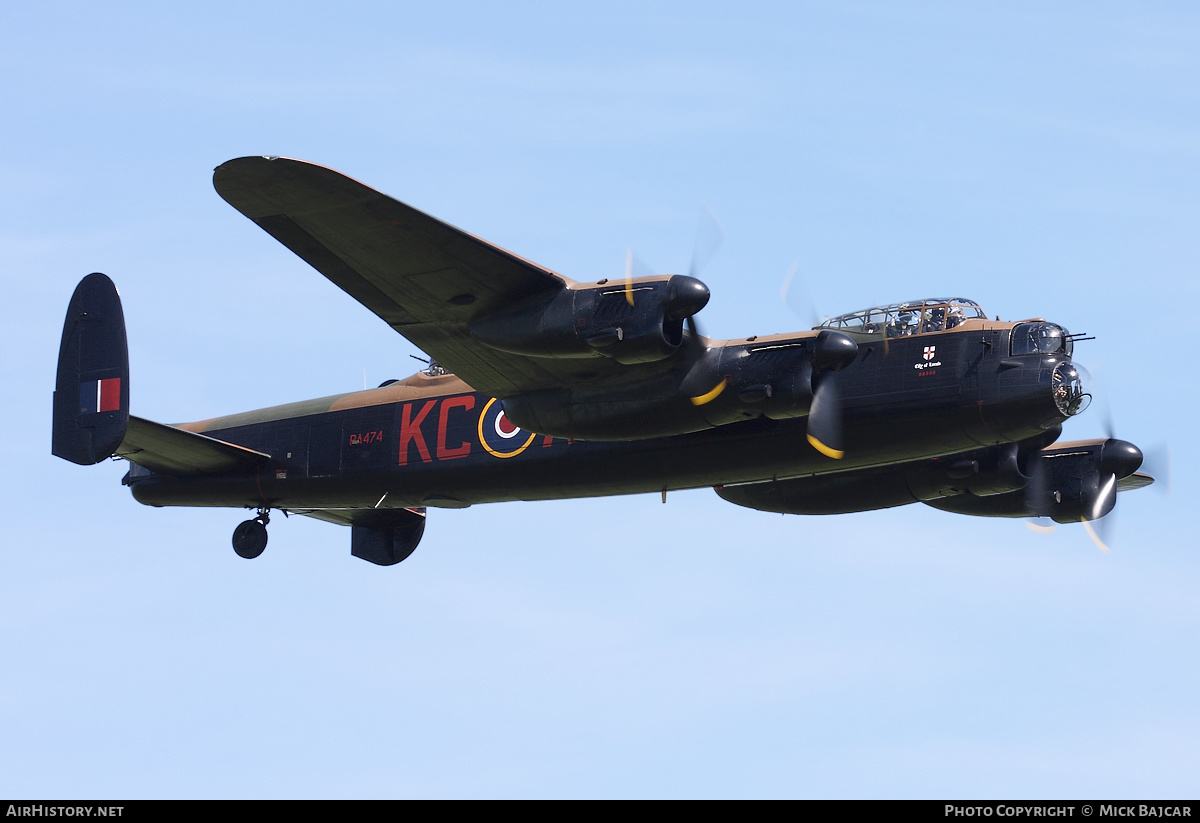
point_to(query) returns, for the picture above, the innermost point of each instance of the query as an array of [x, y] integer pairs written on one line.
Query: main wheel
[[249, 539]]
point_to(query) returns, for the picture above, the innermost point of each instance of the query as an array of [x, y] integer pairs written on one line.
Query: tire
[[249, 539]]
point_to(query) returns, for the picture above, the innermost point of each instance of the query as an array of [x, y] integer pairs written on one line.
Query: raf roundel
[[497, 434]]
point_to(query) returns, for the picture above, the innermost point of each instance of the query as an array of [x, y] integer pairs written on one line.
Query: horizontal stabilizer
[[167, 450]]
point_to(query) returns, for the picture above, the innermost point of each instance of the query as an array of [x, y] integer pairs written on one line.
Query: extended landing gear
[[250, 537]]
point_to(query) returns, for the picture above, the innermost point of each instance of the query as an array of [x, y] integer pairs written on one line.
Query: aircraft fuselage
[[432, 441]]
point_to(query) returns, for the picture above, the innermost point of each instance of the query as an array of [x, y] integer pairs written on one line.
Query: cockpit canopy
[[904, 319]]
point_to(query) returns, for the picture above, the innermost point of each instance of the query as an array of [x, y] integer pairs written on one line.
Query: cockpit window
[[1040, 338], [903, 319]]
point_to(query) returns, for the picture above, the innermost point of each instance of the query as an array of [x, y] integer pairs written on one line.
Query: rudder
[[91, 392]]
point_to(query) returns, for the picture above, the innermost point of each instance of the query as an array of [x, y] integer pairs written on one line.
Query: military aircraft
[[540, 387]]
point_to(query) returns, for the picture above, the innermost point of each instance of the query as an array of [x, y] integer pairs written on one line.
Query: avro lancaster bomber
[[540, 387]]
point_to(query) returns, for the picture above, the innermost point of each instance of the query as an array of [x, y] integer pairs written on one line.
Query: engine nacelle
[[632, 321], [775, 376], [980, 473], [1068, 482], [652, 409], [715, 387], [1077, 481]]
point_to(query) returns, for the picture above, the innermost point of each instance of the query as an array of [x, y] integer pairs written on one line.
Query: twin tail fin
[[91, 399], [91, 393]]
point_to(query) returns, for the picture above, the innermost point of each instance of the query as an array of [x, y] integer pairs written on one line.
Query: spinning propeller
[[709, 236], [687, 295], [834, 352], [1116, 460], [831, 351]]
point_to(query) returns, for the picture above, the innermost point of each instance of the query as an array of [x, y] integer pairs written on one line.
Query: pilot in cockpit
[[901, 326], [936, 320]]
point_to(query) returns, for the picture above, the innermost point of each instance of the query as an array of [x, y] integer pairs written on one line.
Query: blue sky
[[1042, 160]]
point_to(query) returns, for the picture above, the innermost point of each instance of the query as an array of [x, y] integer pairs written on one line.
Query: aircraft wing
[[424, 278]]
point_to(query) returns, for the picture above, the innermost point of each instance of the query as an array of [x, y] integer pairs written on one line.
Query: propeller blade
[[634, 267], [832, 352], [1104, 499], [825, 419], [794, 294], [1157, 464], [709, 237], [787, 280], [711, 395], [1094, 533], [1099, 502], [629, 276]]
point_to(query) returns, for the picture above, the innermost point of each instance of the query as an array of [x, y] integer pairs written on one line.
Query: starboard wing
[[424, 278]]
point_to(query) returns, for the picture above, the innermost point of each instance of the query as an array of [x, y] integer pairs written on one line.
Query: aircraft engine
[[632, 321], [1080, 483], [778, 379], [1068, 482]]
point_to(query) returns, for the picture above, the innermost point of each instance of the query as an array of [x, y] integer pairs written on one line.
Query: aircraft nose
[[1072, 387]]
